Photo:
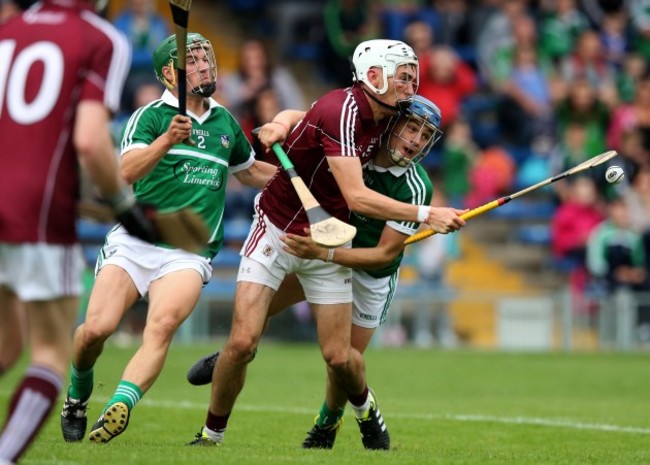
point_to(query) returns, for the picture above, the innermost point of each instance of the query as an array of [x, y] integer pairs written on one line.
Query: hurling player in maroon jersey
[[340, 133], [61, 75]]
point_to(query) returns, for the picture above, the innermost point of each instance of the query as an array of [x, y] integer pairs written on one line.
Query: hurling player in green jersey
[[173, 175], [376, 252]]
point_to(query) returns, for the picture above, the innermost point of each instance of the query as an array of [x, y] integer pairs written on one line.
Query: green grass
[[457, 407]]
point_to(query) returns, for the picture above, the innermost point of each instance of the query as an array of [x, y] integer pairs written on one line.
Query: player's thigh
[[113, 293], [12, 328], [252, 302], [50, 325], [289, 293], [361, 337], [333, 326], [173, 296]]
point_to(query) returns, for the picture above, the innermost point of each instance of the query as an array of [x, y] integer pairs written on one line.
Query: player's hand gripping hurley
[[585, 165], [325, 229], [181, 15]]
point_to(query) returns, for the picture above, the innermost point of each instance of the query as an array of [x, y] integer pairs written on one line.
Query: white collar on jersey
[[171, 100], [396, 171]]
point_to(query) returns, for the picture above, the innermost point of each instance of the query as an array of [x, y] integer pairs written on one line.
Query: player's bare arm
[[137, 163], [390, 244], [279, 129], [257, 175], [92, 140], [361, 199]]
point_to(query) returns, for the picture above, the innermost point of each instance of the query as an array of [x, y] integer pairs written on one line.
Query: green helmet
[[166, 55]]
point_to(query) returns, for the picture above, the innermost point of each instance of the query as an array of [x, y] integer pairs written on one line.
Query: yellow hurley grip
[[480, 210], [418, 236]]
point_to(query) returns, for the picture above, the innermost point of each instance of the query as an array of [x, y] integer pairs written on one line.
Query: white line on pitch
[[549, 422], [561, 423]]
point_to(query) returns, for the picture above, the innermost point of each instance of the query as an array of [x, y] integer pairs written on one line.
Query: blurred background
[[527, 89]]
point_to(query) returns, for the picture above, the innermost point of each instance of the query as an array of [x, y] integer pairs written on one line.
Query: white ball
[[614, 174]]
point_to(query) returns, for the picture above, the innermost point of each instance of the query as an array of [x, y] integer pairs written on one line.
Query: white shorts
[[372, 298], [265, 262], [41, 271], [146, 262]]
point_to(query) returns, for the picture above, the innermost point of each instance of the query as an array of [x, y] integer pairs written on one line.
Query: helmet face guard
[[418, 128], [200, 59], [389, 55]]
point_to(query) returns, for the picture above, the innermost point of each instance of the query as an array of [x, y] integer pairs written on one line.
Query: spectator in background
[[347, 23], [491, 176], [560, 26], [640, 18], [616, 254], [507, 26], [260, 110], [420, 36], [459, 154], [572, 223], [637, 197], [447, 80], [632, 115], [258, 72], [581, 105], [569, 152], [576, 216], [634, 66], [525, 110], [589, 61], [614, 38], [145, 28]]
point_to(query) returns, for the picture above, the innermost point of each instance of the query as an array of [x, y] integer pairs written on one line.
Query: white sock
[[216, 436], [362, 411]]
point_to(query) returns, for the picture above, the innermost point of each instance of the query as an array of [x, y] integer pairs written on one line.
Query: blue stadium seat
[[92, 231], [480, 111], [227, 257], [534, 234], [236, 230]]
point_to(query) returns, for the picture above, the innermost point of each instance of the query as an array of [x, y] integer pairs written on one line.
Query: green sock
[[81, 383], [126, 392], [327, 417]]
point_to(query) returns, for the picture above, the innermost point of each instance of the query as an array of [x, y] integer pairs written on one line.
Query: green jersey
[[190, 176], [410, 185]]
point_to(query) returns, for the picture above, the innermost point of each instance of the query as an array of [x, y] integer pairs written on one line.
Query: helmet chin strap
[[372, 97]]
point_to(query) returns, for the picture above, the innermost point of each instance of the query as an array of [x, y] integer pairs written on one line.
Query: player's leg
[[372, 299], [49, 323], [173, 294], [12, 329], [249, 316], [113, 293], [289, 293]]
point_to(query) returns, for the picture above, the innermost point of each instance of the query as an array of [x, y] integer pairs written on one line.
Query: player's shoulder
[[334, 100]]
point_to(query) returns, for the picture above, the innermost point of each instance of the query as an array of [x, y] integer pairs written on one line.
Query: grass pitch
[[441, 407]]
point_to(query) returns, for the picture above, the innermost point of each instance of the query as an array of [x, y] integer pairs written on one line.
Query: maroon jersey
[[52, 56], [339, 124]]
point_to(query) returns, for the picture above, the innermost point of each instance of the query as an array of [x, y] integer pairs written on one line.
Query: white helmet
[[382, 53]]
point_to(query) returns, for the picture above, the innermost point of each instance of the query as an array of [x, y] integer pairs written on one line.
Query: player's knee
[[162, 329], [89, 334], [336, 358], [242, 348]]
